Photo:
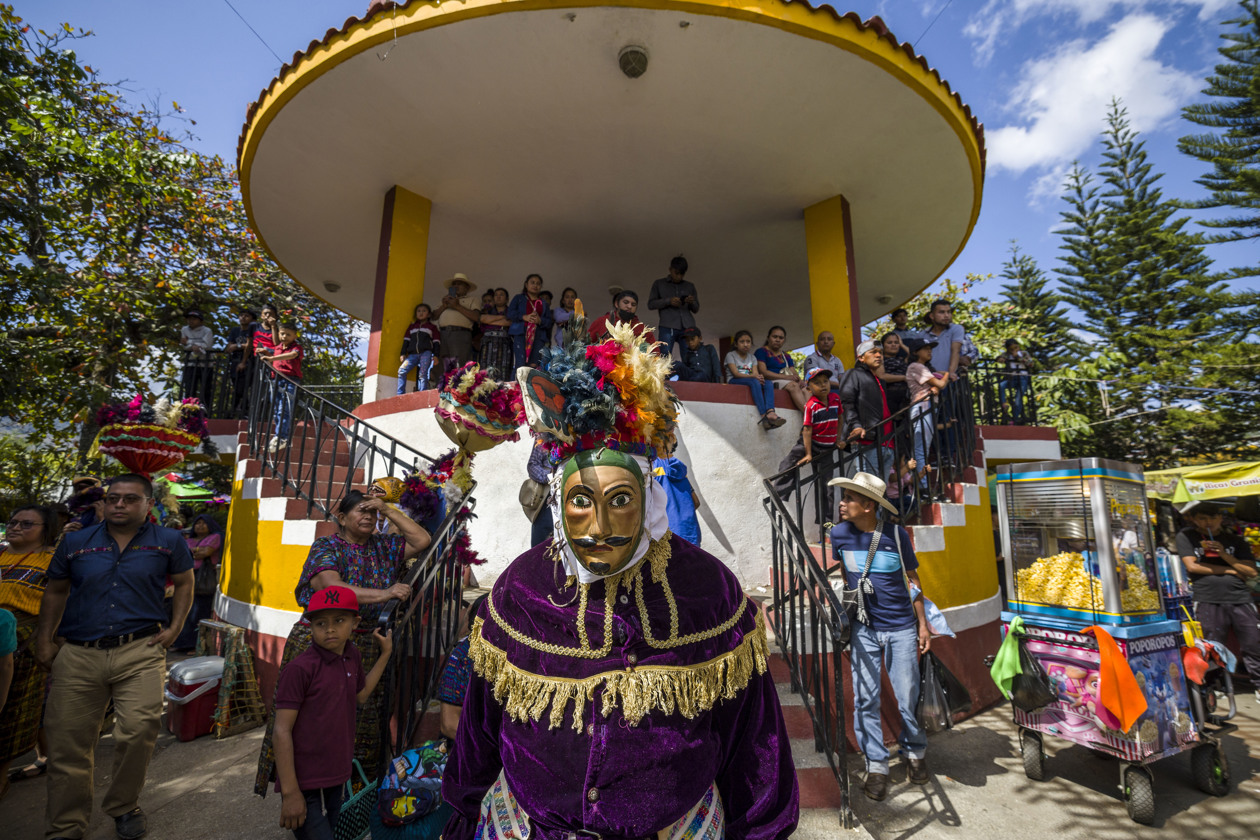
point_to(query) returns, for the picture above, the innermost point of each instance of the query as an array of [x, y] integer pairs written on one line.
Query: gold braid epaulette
[[689, 689]]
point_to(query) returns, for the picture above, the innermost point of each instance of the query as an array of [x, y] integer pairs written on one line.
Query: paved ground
[[203, 789]]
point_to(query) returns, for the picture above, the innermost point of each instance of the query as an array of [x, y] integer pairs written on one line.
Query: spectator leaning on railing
[[864, 411], [196, 339]]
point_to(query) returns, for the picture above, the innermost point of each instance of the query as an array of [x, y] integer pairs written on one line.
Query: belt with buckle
[[110, 642], [461, 329]]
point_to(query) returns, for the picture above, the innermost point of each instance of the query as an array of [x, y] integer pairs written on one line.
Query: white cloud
[[1062, 98], [1000, 18]]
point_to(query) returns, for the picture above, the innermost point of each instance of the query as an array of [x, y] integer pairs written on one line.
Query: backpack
[[412, 788]]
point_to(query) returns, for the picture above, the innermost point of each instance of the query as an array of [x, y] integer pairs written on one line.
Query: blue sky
[[1038, 73]]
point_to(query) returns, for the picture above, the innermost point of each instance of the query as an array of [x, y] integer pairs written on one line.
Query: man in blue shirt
[[893, 630], [103, 631]]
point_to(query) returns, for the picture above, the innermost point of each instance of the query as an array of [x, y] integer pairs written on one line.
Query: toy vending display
[[1078, 542]]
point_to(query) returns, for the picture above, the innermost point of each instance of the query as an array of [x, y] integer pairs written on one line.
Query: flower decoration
[[477, 412], [606, 394]]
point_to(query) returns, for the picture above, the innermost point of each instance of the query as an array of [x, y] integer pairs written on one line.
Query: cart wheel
[[1209, 770], [1034, 758], [1139, 796]]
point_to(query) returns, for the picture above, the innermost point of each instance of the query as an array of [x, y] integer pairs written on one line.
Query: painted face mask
[[602, 504]]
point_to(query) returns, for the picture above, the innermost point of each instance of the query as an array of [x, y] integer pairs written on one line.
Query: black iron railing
[[318, 449], [425, 629], [1001, 398], [810, 628], [224, 383], [938, 435]]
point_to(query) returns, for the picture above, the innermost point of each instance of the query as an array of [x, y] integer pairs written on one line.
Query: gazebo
[[814, 171]]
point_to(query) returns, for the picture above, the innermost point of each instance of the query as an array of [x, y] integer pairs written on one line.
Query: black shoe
[[876, 786], [131, 825], [918, 771]]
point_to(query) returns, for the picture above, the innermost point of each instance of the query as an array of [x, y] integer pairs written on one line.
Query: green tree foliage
[[30, 473], [1052, 343], [1142, 286], [1232, 149], [110, 228]]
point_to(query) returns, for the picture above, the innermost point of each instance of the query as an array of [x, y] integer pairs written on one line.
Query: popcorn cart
[[1084, 583]]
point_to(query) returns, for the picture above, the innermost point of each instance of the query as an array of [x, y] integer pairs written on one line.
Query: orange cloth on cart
[[1118, 689]]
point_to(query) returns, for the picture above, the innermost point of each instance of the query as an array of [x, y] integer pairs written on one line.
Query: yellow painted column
[[400, 265], [832, 275]]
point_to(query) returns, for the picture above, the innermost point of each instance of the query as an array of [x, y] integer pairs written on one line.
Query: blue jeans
[[876, 460], [282, 418], [421, 363], [669, 336], [898, 651], [762, 392], [530, 358], [323, 805], [1019, 387], [921, 422]]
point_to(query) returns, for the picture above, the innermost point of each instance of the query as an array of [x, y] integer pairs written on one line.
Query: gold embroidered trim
[[658, 576], [690, 689]]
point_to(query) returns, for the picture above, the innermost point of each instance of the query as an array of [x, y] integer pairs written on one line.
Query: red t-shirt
[[291, 368], [599, 330], [823, 420], [263, 342], [322, 687]]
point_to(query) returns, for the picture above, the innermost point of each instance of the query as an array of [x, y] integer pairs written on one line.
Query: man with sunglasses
[[103, 631]]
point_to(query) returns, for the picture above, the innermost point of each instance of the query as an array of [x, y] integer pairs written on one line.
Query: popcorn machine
[[1077, 540], [1086, 613]]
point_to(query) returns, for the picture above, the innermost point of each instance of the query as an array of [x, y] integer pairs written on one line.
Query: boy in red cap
[[316, 700]]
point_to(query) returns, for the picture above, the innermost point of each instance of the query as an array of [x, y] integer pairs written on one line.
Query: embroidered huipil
[[615, 713]]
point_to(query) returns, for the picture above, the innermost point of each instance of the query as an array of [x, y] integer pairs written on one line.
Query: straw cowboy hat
[[865, 484], [461, 277]]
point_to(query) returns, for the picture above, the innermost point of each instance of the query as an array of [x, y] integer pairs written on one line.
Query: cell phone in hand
[[450, 290]]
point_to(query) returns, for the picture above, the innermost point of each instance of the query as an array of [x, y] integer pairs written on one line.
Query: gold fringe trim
[[690, 690]]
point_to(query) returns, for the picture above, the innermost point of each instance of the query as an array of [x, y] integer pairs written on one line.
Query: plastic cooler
[[192, 693]]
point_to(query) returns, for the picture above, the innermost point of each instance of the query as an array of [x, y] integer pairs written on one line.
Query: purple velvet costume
[[620, 775]]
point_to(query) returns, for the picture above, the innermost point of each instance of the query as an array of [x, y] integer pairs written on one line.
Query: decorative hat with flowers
[[151, 438], [617, 622]]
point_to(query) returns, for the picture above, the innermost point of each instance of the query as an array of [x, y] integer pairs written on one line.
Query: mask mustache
[[612, 542]]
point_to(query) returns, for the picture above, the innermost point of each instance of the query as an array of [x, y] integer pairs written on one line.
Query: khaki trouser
[[84, 680]]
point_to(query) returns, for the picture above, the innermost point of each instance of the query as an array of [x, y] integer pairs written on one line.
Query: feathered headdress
[[589, 395]]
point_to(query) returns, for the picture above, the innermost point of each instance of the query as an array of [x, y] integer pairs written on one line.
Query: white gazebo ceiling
[[540, 155]]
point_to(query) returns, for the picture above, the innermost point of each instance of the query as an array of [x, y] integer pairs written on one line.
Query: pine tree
[[1053, 345], [1142, 287], [1233, 150]]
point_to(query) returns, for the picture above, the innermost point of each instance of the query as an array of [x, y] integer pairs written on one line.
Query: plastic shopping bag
[[957, 698], [933, 707], [1031, 689]]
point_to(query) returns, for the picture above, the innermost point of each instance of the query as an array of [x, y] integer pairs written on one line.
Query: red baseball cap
[[333, 598]]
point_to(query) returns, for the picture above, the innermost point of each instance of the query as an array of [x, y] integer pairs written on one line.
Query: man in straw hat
[[455, 319], [889, 628]]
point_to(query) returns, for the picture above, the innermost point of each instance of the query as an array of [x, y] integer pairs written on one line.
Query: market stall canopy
[[1208, 481], [188, 490], [539, 153]]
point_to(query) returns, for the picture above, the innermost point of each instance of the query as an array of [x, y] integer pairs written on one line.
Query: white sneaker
[[274, 446]]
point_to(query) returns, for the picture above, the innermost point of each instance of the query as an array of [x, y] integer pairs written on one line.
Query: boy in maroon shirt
[[820, 429], [316, 699]]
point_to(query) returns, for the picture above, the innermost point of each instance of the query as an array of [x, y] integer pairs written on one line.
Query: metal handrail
[[212, 378], [425, 627], [812, 630], [326, 451], [332, 444], [809, 623], [1001, 398]]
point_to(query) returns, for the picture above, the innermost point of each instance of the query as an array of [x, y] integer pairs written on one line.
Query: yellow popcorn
[[1061, 580]]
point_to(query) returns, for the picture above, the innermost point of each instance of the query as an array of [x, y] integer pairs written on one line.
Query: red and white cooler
[[192, 693]]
